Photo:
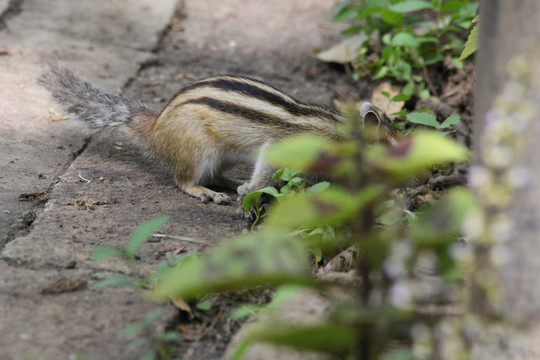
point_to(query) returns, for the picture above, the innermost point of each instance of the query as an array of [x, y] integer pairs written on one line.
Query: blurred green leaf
[[422, 118], [405, 39], [297, 152], [442, 223], [401, 97], [133, 329], [332, 207], [251, 199], [204, 305], [323, 185], [325, 337], [244, 311], [411, 5], [399, 355], [264, 258], [449, 121], [142, 233], [391, 17], [113, 281], [170, 336], [417, 153], [103, 252]]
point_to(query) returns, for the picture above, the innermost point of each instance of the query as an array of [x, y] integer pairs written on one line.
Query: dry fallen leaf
[[343, 52], [383, 102], [182, 305], [344, 261]]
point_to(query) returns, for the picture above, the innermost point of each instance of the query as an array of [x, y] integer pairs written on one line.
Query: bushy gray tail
[[94, 106]]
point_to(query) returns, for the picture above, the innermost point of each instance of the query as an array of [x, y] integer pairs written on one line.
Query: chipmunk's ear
[[370, 116]]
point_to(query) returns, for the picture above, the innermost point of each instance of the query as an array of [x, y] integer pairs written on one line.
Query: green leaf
[[392, 17], [405, 39], [154, 315], [133, 329], [401, 97], [345, 13], [170, 336], [399, 355], [204, 305], [409, 6], [400, 113], [297, 152], [103, 252], [244, 311], [423, 119], [424, 94], [449, 121], [452, 5], [142, 233], [386, 94], [266, 258], [439, 225], [327, 337], [471, 45], [113, 281], [331, 207], [416, 153], [408, 89], [251, 199], [319, 187], [150, 355]]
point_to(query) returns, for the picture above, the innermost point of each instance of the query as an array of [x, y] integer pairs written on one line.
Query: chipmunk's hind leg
[[205, 195], [190, 184]]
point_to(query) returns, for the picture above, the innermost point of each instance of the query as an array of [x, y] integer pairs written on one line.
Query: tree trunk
[[510, 29]]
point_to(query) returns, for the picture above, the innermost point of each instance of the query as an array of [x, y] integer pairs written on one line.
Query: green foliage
[[293, 185], [430, 120], [472, 42], [139, 237], [263, 258], [159, 344], [327, 337], [406, 36], [335, 217]]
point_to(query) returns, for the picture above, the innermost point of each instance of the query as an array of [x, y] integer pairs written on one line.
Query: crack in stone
[[179, 14], [23, 224]]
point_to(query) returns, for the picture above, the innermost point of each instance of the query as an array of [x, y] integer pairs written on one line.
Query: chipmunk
[[206, 128]]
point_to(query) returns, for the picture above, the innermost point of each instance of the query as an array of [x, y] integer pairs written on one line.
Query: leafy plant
[[430, 120], [421, 116], [293, 185], [406, 36], [363, 326], [159, 344]]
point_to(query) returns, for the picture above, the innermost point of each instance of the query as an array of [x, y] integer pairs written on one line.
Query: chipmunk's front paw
[[243, 190], [222, 199]]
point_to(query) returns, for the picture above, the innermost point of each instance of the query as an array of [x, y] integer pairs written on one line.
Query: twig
[[87, 181], [428, 81], [181, 238], [6, 211]]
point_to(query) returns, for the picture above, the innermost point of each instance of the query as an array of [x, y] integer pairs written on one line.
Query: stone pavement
[[106, 41]]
